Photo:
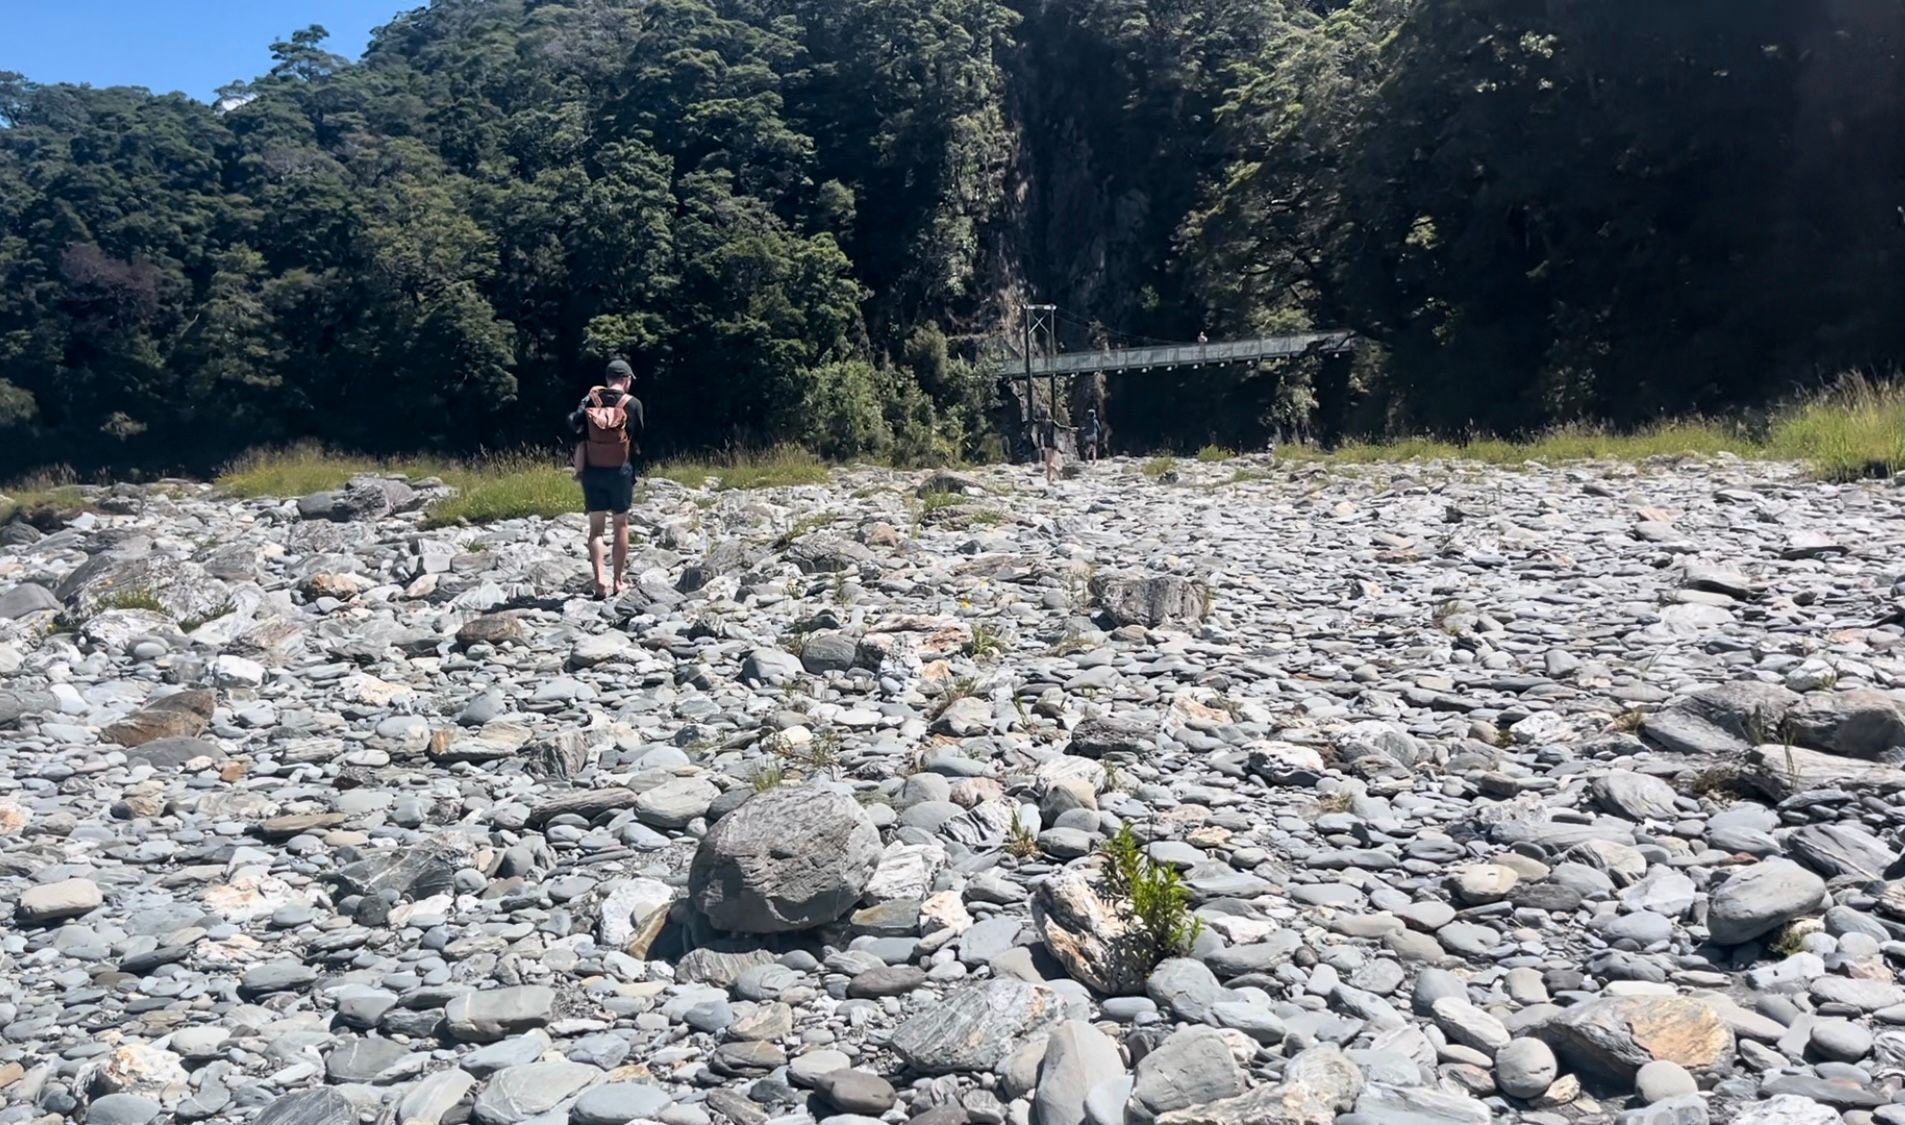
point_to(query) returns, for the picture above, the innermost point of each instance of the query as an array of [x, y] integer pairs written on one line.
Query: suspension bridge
[[1039, 357]]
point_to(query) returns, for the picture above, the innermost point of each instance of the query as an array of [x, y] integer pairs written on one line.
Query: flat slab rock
[[976, 1026]]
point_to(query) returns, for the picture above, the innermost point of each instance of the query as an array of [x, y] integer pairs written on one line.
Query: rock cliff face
[[1471, 808]]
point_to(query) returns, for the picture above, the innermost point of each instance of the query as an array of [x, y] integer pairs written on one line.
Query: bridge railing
[[1183, 355]]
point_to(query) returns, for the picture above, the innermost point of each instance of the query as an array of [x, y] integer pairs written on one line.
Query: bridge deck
[[1183, 355]]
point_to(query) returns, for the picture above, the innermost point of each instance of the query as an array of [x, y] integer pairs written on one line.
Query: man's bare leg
[[597, 549], [621, 550]]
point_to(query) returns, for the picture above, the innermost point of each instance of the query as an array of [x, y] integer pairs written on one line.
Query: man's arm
[[577, 415]]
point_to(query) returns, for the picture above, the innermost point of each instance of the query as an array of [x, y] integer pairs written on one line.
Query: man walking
[[609, 422]]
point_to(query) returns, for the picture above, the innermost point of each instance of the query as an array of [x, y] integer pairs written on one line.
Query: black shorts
[[608, 490]]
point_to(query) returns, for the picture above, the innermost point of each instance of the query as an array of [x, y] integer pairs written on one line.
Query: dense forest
[[815, 221]]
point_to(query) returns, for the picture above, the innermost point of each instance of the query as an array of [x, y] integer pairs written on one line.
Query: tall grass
[[303, 469], [1857, 430], [50, 490], [781, 467], [500, 487], [1572, 443]]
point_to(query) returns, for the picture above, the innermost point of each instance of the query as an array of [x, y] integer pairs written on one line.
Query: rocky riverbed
[[1551, 795]]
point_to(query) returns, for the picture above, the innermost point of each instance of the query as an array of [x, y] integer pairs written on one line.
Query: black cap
[[619, 369]]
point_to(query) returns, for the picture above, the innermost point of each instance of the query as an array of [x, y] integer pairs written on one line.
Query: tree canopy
[[804, 220]]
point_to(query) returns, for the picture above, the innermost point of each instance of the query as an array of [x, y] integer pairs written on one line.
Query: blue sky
[[194, 46]]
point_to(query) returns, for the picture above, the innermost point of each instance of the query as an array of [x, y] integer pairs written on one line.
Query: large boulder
[[1150, 600], [1615, 1036], [976, 1026], [179, 588], [1855, 724], [1097, 737], [1781, 771], [183, 714], [788, 859], [1759, 899], [363, 498], [1087, 935], [1726, 719], [1843, 849]]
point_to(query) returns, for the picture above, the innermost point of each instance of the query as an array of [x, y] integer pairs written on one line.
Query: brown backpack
[[606, 444]]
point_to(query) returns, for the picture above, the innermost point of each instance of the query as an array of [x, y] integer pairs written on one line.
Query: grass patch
[[939, 501], [304, 469], [987, 642], [47, 494], [805, 525], [1212, 454], [488, 489], [1157, 467], [1568, 443], [488, 493], [500, 487], [782, 467], [1855, 431], [1020, 843], [131, 599]]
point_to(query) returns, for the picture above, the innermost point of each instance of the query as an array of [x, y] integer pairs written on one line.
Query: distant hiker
[[1088, 437], [1202, 339], [609, 422]]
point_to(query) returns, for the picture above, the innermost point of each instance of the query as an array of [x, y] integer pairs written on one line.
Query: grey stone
[[1662, 1080], [976, 1026], [1150, 600], [1077, 1058], [1637, 796], [122, 1109], [1861, 723], [1761, 898], [54, 902], [308, 1107], [858, 1091], [618, 1103], [1186, 987], [1525, 1068], [520, 1093], [1722, 720], [1416, 1105], [1193, 1067], [493, 1014], [27, 597], [791, 858]]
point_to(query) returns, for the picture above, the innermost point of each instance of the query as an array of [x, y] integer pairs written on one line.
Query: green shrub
[[1157, 467], [1158, 901], [844, 412], [1020, 842], [1211, 454]]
